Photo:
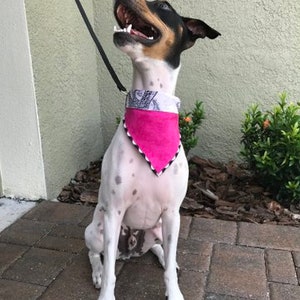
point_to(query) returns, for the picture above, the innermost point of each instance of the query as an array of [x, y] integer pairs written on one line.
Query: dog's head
[[154, 29]]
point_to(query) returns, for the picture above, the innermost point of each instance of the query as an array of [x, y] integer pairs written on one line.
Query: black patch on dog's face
[[162, 32], [174, 21]]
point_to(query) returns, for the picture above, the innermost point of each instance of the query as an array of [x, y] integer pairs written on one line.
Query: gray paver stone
[[10, 253], [138, 281], [192, 285], [194, 255], [296, 256], [213, 231], [61, 244], [280, 291], [38, 266], [238, 272], [280, 266], [74, 282], [185, 224], [14, 290], [25, 232], [269, 236], [87, 220], [57, 212], [68, 230]]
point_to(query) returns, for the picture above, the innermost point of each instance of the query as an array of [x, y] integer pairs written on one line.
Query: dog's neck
[[154, 75]]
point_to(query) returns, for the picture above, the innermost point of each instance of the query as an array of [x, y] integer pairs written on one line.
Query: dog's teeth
[[128, 29], [119, 29], [150, 38]]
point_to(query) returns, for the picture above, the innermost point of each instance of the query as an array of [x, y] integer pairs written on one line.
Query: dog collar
[[152, 124], [153, 101]]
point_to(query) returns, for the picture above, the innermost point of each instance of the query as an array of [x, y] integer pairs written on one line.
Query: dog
[[144, 170]]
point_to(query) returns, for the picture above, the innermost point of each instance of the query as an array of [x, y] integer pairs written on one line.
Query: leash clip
[[124, 92]]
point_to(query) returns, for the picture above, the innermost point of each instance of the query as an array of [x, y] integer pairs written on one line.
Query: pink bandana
[[151, 123]]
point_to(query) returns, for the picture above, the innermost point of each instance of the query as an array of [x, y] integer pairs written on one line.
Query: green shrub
[[189, 122], [271, 146]]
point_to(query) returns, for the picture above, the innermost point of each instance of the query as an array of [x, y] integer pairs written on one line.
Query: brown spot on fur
[[102, 208], [134, 192], [118, 179]]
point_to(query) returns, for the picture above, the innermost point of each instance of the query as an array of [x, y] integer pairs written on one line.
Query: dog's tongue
[[138, 33]]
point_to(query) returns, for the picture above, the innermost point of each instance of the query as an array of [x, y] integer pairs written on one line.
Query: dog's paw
[[96, 280], [180, 297]]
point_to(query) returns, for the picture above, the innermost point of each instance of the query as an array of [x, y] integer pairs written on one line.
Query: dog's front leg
[[171, 224], [112, 226]]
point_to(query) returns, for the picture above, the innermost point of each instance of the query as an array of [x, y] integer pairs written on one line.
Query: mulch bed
[[215, 190]]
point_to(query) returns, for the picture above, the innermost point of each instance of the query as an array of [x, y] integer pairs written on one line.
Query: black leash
[[100, 49]]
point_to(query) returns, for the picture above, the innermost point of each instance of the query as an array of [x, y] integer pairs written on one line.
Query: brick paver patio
[[43, 256]]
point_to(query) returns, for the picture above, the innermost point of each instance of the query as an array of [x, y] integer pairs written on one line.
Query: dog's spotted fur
[[137, 210]]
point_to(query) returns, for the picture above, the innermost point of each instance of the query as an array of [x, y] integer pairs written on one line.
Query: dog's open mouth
[[134, 25]]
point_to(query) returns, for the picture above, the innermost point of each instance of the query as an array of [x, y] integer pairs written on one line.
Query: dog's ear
[[198, 29]]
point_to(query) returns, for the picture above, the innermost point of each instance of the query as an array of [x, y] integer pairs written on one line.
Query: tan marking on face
[[161, 49]]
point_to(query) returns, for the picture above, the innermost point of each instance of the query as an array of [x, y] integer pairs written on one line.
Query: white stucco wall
[[256, 58], [21, 163], [112, 101], [68, 99]]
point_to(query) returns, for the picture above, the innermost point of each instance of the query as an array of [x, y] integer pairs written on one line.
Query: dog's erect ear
[[198, 29]]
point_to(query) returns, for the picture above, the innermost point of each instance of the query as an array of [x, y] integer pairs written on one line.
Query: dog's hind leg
[[97, 268], [159, 252], [94, 241]]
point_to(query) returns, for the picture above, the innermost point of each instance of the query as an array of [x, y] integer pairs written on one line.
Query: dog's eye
[[164, 6]]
